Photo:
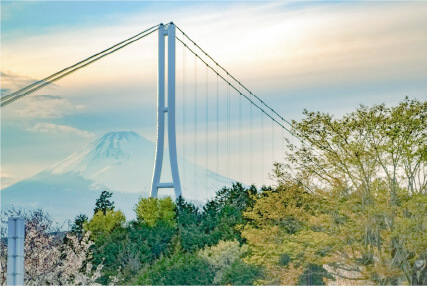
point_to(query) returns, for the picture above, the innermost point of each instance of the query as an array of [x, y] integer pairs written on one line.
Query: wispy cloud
[[51, 128], [47, 106], [320, 56], [262, 44], [11, 81]]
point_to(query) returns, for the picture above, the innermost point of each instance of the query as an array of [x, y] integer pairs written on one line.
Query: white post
[[15, 251], [162, 110], [171, 110], [160, 113]]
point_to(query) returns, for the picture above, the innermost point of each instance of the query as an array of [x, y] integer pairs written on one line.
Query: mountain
[[120, 162]]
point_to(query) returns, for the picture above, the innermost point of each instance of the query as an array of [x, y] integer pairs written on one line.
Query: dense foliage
[[354, 201], [168, 243], [349, 207]]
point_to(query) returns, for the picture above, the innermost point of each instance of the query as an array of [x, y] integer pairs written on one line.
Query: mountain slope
[[121, 162]]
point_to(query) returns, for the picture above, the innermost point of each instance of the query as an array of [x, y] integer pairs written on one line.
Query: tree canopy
[[352, 197]]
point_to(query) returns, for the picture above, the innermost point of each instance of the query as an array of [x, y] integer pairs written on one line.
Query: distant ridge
[[120, 162]]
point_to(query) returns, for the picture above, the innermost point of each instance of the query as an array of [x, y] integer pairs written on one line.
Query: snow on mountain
[[121, 162]]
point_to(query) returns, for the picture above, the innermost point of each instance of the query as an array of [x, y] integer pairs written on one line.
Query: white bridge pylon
[[168, 110]]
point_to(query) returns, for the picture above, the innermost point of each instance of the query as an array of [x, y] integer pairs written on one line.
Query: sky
[[322, 56]]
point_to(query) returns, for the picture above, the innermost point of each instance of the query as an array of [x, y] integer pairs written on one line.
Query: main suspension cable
[[236, 89], [302, 140], [259, 99], [7, 99], [217, 129], [195, 123]]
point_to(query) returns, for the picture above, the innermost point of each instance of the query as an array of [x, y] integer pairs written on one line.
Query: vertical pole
[[161, 110], [160, 113], [15, 251], [171, 110]]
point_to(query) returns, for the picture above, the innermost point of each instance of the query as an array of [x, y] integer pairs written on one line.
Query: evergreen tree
[[77, 227], [103, 203]]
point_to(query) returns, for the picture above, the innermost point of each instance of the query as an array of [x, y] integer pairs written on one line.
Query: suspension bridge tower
[[163, 111]]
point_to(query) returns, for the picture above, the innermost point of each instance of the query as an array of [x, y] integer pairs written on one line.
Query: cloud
[[11, 81], [51, 128], [47, 106], [261, 44], [6, 180]]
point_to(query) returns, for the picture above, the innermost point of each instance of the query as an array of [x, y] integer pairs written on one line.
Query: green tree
[[218, 220], [241, 273], [126, 250], [226, 260], [224, 213], [190, 233], [103, 203], [77, 227], [103, 224], [272, 223], [177, 269], [150, 211], [365, 214]]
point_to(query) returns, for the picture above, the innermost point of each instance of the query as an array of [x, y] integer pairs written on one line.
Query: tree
[[226, 260], [190, 233], [366, 175], [126, 250], [218, 220], [103, 203], [77, 227], [103, 224], [151, 211], [272, 223], [49, 261], [224, 213], [177, 269]]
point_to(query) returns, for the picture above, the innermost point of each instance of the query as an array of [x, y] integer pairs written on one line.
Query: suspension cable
[[297, 136], [240, 139], [251, 141], [262, 148], [206, 129], [259, 99], [184, 110], [217, 129], [252, 102], [272, 142], [236, 89], [195, 123], [228, 130], [7, 99]]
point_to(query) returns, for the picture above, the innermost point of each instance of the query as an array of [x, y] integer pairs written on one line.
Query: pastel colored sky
[[322, 56]]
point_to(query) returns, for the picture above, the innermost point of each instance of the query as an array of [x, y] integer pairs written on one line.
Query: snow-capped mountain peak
[[111, 149], [118, 145], [121, 162]]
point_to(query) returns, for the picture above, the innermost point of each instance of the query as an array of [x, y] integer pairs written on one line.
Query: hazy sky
[[322, 56]]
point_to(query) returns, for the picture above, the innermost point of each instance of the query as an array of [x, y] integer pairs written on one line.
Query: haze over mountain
[[120, 162]]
